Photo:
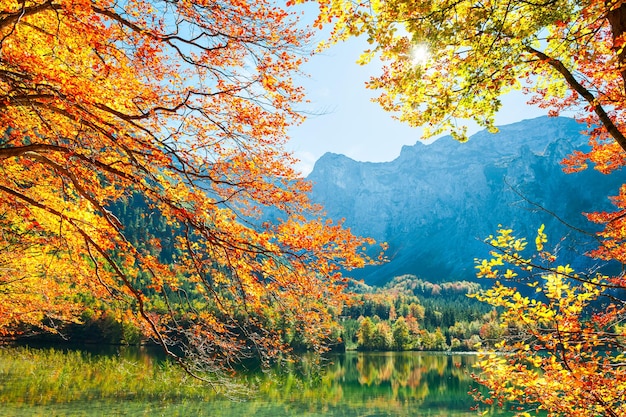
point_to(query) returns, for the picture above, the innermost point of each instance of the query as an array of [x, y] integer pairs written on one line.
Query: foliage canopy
[[186, 104]]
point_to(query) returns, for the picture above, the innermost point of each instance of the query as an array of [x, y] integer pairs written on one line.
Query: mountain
[[435, 204]]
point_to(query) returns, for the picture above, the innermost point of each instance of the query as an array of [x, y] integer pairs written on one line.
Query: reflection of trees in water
[[374, 369], [407, 369], [391, 383], [404, 377]]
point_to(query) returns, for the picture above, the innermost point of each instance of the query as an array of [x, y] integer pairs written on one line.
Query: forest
[[407, 313]]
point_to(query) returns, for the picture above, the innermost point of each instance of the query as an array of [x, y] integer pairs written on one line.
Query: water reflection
[[407, 381], [352, 384]]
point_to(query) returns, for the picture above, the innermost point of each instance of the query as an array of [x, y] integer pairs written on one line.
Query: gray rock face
[[436, 203]]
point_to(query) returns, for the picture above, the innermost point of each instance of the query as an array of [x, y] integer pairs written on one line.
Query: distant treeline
[[411, 314]]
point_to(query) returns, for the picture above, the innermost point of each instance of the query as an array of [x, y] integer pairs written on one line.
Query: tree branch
[[605, 119]]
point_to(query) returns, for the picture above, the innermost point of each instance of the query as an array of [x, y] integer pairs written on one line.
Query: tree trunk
[[617, 19]]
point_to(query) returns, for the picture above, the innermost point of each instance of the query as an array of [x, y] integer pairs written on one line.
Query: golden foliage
[[185, 103], [562, 347]]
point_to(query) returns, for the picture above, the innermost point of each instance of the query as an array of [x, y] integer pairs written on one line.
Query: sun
[[419, 54]]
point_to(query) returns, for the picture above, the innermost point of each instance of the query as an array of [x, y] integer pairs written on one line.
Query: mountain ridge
[[435, 203]]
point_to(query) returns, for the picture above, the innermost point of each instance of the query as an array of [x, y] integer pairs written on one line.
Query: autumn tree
[[563, 345], [365, 334], [400, 334], [382, 338], [449, 61], [185, 103]]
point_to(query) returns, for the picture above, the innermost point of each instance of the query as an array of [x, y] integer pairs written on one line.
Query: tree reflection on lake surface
[[47, 382], [392, 383]]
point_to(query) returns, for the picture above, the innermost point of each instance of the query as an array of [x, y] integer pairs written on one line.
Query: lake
[[128, 382]]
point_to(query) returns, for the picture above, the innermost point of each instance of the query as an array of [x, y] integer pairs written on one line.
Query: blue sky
[[345, 120]]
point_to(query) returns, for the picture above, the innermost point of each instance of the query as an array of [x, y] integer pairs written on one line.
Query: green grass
[[44, 376]]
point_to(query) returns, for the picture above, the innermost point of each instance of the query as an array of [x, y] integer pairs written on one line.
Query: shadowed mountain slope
[[436, 203]]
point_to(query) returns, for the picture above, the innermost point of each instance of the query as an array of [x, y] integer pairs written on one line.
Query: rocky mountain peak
[[435, 203]]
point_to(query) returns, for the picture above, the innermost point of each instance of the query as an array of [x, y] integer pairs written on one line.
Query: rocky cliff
[[436, 203]]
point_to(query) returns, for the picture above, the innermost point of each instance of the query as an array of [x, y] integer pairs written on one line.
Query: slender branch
[[551, 213], [519, 261], [605, 119], [13, 18], [111, 219], [39, 147]]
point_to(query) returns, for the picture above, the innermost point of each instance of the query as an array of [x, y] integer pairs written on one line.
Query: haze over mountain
[[435, 204]]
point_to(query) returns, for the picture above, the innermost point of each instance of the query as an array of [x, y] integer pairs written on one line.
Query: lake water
[[352, 384]]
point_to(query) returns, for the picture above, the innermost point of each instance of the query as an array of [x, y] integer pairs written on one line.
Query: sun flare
[[419, 54]]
